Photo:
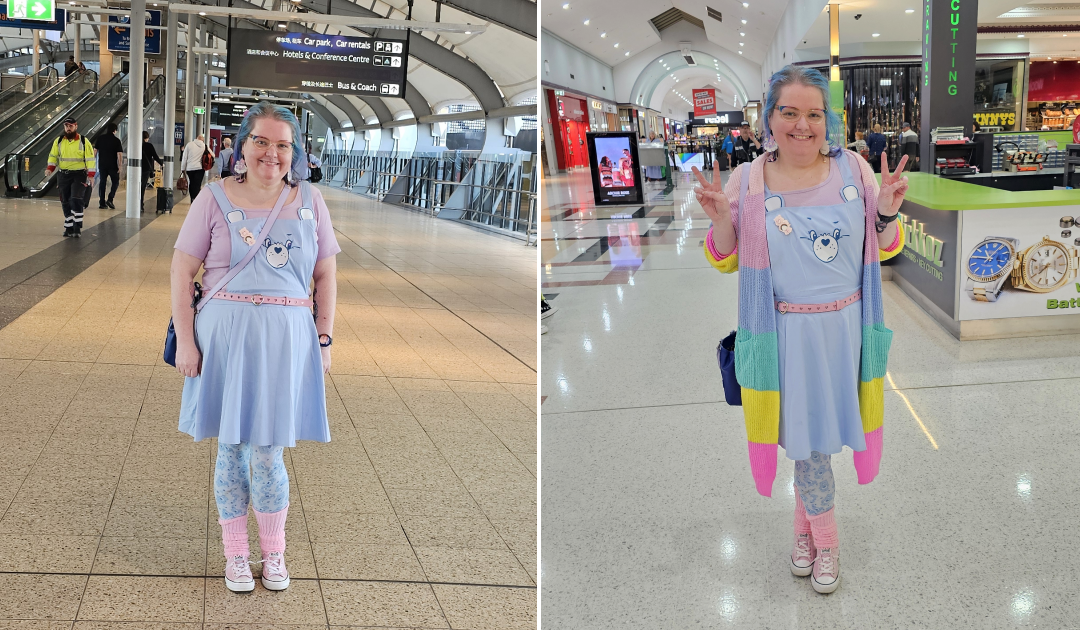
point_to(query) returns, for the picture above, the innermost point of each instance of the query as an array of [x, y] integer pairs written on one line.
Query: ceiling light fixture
[[1020, 35], [202, 12], [616, 44], [875, 35], [566, 5], [741, 34], [740, 52], [468, 32], [603, 35], [742, 43], [626, 54], [586, 22], [746, 5], [909, 10], [744, 21]]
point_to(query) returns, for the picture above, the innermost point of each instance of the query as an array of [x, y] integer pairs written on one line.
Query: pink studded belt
[[257, 299], [787, 307]]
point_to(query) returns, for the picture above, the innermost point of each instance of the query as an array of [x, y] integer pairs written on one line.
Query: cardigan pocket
[[757, 361], [876, 341]]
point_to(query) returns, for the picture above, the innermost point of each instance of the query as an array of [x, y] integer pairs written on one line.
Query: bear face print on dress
[[277, 254], [827, 245]]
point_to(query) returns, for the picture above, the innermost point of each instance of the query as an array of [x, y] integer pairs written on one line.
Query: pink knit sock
[[272, 530], [824, 528], [234, 536], [802, 524]]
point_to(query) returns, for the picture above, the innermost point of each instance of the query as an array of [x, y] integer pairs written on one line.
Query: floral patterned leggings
[[245, 472], [814, 479]]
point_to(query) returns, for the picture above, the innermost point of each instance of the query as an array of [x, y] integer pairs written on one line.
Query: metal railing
[[495, 191]]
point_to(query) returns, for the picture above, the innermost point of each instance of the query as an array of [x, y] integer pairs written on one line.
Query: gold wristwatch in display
[[1045, 266]]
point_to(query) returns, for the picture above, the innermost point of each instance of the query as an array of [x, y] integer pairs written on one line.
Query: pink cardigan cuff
[[712, 247], [895, 243]]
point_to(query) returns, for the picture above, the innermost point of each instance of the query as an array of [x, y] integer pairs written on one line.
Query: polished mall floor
[[650, 518], [421, 512]]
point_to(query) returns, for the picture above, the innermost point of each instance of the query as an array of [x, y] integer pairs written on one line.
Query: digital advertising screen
[[310, 62], [616, 174]]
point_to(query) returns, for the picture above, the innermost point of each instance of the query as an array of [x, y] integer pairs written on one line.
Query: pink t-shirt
[[205, 233]]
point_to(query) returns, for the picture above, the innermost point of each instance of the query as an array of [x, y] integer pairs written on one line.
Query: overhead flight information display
[[310, 62]]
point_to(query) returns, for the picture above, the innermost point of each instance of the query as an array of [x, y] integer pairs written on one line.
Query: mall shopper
[[255, 356], [191, 162], [806, 226], [909, 141], [727, 149], [110, 153], [747, 146], [70, 67], [859, 146], [74, 156], [876, 143]]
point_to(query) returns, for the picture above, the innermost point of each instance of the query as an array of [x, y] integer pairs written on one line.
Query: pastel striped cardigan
[[756, 351]]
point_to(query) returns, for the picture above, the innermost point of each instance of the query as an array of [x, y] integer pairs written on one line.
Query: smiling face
[[268, 165], [800, 138]]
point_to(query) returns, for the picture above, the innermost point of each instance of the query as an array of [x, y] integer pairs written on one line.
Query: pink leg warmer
[[824, 528], [802, 524], [272, 530], [234, 536]]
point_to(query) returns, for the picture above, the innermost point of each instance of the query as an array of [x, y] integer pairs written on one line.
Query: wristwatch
[[329, 340], [988, 266], [1045, 266]]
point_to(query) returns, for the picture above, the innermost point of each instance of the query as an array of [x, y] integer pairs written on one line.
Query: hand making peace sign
[[711, 195], [893, 187]]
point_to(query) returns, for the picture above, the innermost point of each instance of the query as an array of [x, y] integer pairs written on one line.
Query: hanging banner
[[120, 36], [704, 102], [310, 62], [57, 24]]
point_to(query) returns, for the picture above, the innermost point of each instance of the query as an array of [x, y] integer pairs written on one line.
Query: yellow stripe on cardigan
[[884, 255], [727, 265], [871, 404], [761, 410]]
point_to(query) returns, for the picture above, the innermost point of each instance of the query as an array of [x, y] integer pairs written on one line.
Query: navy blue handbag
[[170, 334], [725, 356]]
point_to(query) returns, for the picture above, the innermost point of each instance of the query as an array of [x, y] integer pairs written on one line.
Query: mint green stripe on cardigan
[[757, 361]]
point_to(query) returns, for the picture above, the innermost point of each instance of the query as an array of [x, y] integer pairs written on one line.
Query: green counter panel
[[940, 193]]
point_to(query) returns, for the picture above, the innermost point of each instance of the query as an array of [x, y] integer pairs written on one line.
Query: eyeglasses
[[791, 114], [263, 144]]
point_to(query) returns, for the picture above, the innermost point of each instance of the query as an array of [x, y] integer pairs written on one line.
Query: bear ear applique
[[774, 203], [306, 214], [235, 215], [849, 193]]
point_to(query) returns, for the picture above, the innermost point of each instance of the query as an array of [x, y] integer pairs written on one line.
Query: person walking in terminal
[[75, 158], [111, 159], [191, 163], [149, 158], [806, 226], [225, 155], [255, 356], [876, 143]]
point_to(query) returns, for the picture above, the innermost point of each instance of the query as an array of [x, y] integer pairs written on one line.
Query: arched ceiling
[[658, 78]]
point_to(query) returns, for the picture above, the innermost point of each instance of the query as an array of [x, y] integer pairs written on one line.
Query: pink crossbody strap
[[786, 307], [252, 250]]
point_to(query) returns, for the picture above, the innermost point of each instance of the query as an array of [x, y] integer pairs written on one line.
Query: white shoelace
[[802, 547], [240, 563], [825, 562], [273, 563]]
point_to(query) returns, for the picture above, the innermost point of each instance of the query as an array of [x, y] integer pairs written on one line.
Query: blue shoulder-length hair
[[299, 168], [794, 75]]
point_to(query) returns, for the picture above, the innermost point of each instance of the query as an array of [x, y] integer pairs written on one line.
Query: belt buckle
[[257, 299], [782, 306]]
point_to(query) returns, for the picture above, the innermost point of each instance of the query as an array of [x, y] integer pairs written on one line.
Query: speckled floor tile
[[301, 603], [150, 556], [381, 604], [161, 599], [352, 561], [47, 554], [49, 597], [485, 607]]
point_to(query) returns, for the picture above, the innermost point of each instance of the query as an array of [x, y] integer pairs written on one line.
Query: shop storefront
[[1053, 95], [570, 121], [603, 115]]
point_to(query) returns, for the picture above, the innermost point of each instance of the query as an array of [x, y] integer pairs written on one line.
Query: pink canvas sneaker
[[274, 575], [238, 577], [802, 555], [826, 577]]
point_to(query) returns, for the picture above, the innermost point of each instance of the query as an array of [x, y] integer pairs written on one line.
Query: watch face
[[988, 260], [1046, 266]]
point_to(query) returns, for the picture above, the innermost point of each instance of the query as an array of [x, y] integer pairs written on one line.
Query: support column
[[169, 173], [206, 64], [135, 108], [105, 59], [78, 42], [947, 94], [189, 80], [834, 42], [37, 58]]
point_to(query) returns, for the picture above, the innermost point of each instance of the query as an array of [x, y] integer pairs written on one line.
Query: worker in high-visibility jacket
[[74, 156]]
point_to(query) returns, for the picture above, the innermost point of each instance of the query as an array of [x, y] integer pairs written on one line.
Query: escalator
[[24, 167], [13, 99], [45, 108]]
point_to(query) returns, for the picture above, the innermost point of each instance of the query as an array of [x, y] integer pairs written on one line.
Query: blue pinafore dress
[[262, 376], [820, 259]]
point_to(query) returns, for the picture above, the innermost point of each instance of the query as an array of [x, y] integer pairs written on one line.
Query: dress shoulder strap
[[222, 199], [305, 195], [844, 162]]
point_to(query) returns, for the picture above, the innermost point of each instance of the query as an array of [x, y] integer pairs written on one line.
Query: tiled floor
[[421, 512], [650, 518]]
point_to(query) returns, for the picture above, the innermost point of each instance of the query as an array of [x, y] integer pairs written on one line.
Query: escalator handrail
[[49, 72], [42, 95]]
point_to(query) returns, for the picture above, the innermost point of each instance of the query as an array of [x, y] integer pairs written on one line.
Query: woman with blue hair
[[255, 356], [807, 225]]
